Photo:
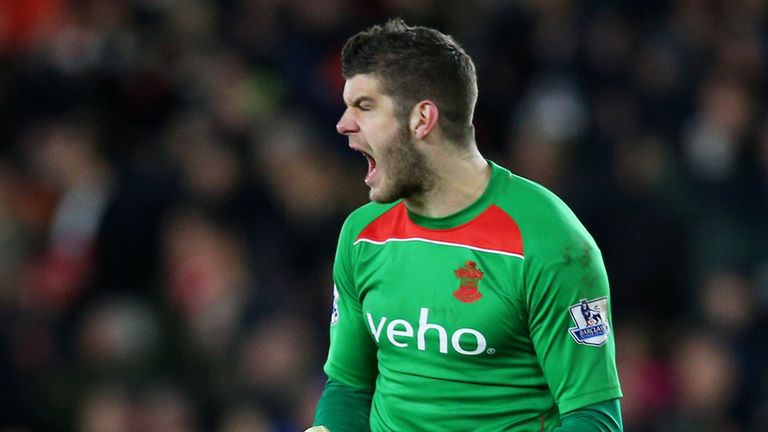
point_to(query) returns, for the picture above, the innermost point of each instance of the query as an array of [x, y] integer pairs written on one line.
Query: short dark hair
[[417, 63]]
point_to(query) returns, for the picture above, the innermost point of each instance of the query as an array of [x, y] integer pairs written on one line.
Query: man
[[458, 290]]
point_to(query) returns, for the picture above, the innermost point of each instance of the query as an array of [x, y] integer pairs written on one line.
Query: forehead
[[362, 85]]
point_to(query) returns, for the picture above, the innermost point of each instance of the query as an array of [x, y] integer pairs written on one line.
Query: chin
[[377, 199], [382, 198]]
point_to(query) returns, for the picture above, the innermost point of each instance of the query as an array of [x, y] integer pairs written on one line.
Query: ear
[[424, 118]]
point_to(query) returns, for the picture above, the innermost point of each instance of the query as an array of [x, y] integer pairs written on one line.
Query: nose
[[346, 124]]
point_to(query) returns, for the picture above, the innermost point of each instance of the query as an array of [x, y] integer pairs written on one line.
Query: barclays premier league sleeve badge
[[591, 325], [335, 312]]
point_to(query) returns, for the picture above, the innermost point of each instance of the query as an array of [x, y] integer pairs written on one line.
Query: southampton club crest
[[591, 326], [469, 276]]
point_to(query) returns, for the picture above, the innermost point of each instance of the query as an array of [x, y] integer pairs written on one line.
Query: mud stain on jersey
[[581, 256]]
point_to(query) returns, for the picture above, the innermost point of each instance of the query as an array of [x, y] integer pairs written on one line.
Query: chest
[[443, 299]]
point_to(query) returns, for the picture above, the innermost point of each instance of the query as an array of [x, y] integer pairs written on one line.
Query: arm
[[351, 365], [569, 314], [600, 417], [343, 408]]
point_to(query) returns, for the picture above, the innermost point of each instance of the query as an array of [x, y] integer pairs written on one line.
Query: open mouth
[[371, 166]]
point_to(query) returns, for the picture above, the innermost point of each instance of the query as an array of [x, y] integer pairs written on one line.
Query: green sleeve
[[600, 417], [344, 409], [352, 353], [563, 267]]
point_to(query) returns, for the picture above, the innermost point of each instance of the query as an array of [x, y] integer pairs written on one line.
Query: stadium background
[[171, 188]]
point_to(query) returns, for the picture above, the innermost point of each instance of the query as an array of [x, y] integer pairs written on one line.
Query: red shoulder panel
[[493, 231]]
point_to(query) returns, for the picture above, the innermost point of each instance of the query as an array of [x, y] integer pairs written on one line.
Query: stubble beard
[[408, 174]]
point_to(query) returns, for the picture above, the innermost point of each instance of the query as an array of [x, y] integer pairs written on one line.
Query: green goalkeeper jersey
[[496, 318]]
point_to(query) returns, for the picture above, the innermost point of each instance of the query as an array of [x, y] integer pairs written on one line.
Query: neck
[[459, 182]]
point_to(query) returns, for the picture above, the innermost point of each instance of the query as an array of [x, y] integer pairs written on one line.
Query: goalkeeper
[[466, 298]]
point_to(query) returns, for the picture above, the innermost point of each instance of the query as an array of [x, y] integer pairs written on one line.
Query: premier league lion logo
[[591, 316]]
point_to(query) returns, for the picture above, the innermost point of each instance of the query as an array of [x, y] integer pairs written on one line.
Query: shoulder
[[533, 203], [545, 220], [363, 216]]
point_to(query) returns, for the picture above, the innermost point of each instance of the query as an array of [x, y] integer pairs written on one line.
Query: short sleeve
[[569, 310]]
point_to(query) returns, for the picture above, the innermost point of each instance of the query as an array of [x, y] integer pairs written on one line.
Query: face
[[396, 168]]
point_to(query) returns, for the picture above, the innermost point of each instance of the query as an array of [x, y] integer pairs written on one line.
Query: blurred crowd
[[171, 189]]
